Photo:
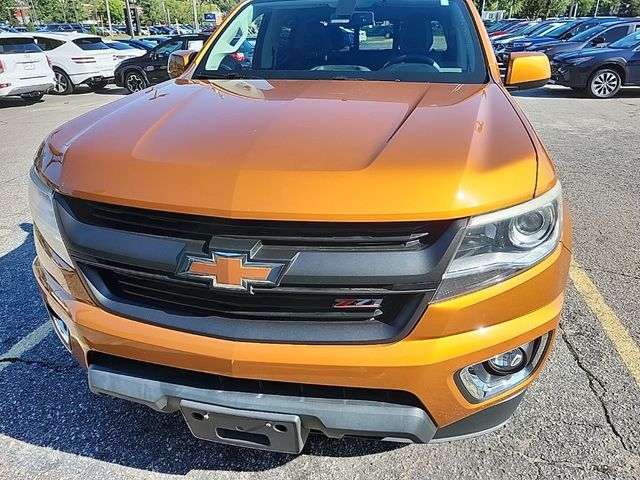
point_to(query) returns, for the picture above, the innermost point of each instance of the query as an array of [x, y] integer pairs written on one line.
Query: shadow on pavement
[[15, 102], [46, 402], [109, 90], [82, 90]]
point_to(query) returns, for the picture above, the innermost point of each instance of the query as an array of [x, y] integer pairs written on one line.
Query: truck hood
[[300, 150]]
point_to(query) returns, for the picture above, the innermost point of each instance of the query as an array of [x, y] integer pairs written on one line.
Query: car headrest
[[415, 35], [315, 41]]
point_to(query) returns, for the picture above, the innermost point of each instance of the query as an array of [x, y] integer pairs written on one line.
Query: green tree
[[7, 10], [225, 6], [116, 8], [153, 11]]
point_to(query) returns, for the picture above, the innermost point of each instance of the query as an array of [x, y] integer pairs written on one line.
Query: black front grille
[[283, 233], [218, 382], [198, 300], [131, 261]]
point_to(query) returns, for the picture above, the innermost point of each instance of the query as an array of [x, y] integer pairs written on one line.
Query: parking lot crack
[[40, 363], [539, 462], [613, 272], [598, 388]]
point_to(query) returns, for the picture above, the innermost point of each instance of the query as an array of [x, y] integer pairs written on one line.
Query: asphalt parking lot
[[581, 420]]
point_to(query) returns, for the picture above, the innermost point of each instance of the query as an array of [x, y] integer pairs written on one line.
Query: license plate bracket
[[247, 428]]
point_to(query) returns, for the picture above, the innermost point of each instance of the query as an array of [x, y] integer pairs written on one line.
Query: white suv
[[24, 69], [77, 59]]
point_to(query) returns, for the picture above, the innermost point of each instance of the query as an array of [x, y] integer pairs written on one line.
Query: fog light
[[484, 380], [509, 362]]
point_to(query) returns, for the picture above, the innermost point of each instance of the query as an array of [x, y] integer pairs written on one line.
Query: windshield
[[145, 43], [532, 27], [561, 30], [630, 41], [121, 46], [546, 30], [400, 40], [588, 34]]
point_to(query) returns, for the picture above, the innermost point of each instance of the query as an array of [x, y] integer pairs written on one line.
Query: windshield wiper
[[224, 75]]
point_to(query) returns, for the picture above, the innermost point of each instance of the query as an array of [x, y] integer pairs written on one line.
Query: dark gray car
[[596, 36]]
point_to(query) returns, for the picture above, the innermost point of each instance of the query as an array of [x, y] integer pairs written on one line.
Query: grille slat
[[200, 300]]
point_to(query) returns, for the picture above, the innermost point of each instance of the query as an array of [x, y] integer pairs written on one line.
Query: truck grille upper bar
[[289, 233]]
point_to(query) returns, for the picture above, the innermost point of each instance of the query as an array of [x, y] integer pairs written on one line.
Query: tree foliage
[[7, 10], [161, 11], [534, 9]]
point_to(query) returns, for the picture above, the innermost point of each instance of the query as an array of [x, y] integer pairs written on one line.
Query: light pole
[[106, 2], [195, 15], [63, 7], [166, 12], [129, 20], [75, 10], [595, 14]]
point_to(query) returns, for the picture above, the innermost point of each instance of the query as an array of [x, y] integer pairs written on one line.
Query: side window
[[46, 44], [439, 38], [195, 44], [615, 34], [167, 49]]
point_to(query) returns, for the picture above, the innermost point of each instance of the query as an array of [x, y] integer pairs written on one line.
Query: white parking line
[[25, 344]]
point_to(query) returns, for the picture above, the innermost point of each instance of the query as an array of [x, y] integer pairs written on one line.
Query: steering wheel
[[411, 58]]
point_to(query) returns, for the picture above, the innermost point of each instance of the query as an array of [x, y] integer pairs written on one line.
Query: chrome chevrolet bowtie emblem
[[230, 270]]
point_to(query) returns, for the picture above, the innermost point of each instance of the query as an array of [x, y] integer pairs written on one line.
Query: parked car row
[[170, 30], [40, 62], [596, 56]]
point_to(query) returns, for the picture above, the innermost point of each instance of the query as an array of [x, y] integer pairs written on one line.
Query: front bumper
[[450, 335], [162, 390], [569, 75]]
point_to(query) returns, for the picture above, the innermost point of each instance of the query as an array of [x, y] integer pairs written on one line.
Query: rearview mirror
[[527, 70], [179, 61], [353, 20], [598, 41]]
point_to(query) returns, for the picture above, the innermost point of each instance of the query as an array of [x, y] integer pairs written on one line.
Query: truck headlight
[[44, 217], [501, 244]]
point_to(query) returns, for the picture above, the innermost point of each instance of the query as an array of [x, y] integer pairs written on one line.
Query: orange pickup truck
[[351, 230]]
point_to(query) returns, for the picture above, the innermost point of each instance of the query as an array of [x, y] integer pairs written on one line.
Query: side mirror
[[179, 61], [527, 70], [598, 41]]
